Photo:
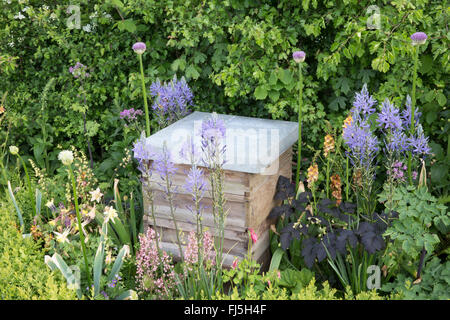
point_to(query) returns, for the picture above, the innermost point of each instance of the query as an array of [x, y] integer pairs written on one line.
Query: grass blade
[[19, 214]]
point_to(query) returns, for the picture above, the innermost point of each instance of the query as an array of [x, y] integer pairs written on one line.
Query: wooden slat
[[188, 227]]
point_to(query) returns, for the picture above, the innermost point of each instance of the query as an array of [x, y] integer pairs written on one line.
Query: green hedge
[[23, 273]]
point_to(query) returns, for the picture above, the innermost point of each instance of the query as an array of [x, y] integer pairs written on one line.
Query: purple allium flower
[[363, 103], [419, 38], [299, 56], [406, 115], [389, 116], [419, 143], [172, 100], [139, 47], [163, 164], [79, 70], [414, 175]]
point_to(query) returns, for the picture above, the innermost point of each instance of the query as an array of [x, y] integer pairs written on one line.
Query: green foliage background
[[235, 55], [23, 273]]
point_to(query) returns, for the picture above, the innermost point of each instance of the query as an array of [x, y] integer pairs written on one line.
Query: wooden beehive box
[[258, 152]]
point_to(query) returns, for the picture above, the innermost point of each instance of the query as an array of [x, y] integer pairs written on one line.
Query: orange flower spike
[[336, 188], [347, 122], [328, 145], [313, 174]]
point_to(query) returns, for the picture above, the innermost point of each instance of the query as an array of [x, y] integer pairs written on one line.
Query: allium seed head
[[299, 56], [139, 47], [419, 38]]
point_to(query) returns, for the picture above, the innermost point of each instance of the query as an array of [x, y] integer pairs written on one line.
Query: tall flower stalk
[[15, 152], [362, 148], [299, 57], [66, 157], [143, 155], [139, 48], [417, 39], [79, 71], [212, 136], [195, 185], [166, 169]]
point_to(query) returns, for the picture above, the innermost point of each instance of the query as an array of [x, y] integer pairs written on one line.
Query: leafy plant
[[422, 224], [72, 274], [349, 241], [433, 285]]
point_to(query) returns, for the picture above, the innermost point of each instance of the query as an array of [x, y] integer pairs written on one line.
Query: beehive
[[251, 171]]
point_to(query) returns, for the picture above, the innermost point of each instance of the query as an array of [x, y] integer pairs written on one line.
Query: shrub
[[23, 273]]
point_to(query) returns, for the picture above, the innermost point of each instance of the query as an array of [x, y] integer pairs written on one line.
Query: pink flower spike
[[253, 235]]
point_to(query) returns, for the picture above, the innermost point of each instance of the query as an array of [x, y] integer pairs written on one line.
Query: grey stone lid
[[252, 144]]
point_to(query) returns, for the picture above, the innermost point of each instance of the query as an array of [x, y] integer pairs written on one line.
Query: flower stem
[[299, 154], [413, 107], [30, 191], [346, 178], [328, 178], [80, 230], [144, 92]]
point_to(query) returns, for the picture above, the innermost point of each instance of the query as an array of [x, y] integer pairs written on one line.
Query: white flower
[[66, 157], [62, 237], [110, 214], [91, 213], [87, 28], [96, 195], [14, 150], [50, 204], [19, 16]]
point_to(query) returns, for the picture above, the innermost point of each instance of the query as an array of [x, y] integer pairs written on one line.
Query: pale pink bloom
[[253, 235]]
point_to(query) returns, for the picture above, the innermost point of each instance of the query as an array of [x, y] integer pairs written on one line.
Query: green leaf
[[285, 75], [274, 95], [98, 265], [13, 199], [192, 73], [276, 259], [118, 262], [431, 117], [442, 100], [439, 173], [128, 25], [260, 93]]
